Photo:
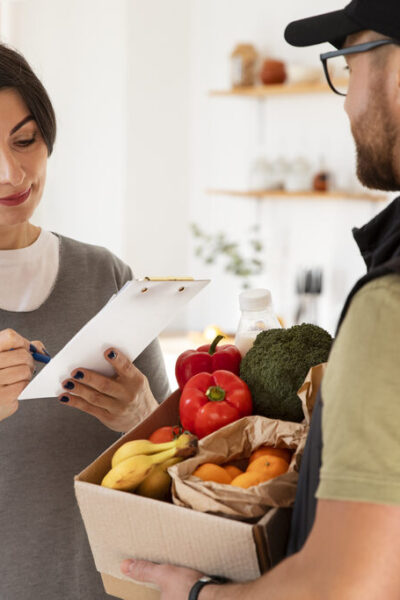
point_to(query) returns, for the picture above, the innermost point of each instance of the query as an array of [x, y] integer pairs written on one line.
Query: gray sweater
[[44, 552]]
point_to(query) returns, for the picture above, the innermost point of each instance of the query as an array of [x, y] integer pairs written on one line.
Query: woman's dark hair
[[17, 74]]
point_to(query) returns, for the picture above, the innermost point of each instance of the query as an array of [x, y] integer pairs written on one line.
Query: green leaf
[[256, 245], [215, 246]]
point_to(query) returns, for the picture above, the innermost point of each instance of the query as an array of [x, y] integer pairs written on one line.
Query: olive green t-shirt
[[361, 400]]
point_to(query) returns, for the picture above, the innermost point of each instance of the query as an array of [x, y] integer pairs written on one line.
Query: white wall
[[78, 49], [229, 133], [158, 136]]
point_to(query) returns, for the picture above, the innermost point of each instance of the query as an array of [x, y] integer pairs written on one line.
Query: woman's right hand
[[16, 370]]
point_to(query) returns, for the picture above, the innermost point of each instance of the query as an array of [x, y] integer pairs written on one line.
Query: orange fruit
[[269, 450], [268, 467], [232, 471], [211, 472], [246, 480]]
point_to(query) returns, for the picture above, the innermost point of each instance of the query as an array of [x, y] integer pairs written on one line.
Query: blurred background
[[152, 140]]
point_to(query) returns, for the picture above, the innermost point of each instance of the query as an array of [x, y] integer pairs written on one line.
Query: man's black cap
[[382, 16]]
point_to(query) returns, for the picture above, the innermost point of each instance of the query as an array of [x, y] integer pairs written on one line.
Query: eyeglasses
[[335, 66]]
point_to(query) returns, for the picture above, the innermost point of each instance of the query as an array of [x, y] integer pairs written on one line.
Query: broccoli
[[276, 366]]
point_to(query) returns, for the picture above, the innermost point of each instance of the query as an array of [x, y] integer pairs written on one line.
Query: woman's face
[[23, 160]]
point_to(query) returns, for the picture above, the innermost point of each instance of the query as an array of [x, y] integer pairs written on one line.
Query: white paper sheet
[[129, 321]]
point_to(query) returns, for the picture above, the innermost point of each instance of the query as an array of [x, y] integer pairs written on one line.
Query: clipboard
[[130, 320]]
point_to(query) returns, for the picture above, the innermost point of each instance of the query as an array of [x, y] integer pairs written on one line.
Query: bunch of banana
[[157, 485], [141, 463]]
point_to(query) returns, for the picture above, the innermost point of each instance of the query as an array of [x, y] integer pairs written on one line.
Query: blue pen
[[38, 356]]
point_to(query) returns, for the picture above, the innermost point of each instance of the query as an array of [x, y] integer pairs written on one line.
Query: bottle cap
[[255, 300]]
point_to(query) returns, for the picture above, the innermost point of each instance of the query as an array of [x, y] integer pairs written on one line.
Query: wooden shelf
[[338, 195], [262, 91]]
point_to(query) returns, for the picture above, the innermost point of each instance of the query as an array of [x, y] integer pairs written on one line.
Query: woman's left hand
[[120, 401]]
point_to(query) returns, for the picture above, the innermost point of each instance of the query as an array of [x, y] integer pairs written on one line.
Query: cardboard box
[[122, 525]]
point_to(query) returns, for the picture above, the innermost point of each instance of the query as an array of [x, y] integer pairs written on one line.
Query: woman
[[50, 286]]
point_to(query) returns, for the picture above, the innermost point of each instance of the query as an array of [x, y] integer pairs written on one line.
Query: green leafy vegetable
[[276, 366]]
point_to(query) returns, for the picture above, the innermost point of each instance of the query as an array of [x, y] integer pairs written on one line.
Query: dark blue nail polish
[[45, 352], [79, 375], [69, 385], [112, 354], [32, 348], [64, 399]]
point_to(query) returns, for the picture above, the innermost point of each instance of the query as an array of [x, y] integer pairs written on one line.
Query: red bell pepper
[[207, 359], [210, 401]]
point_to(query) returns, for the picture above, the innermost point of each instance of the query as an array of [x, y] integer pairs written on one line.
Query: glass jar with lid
[[243, 65]]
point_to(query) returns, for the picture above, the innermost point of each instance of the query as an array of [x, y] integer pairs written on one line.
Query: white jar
[[299, 177], [260, 175], [257, 315], [281, 169]]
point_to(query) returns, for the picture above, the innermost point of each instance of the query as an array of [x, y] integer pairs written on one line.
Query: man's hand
[[351, 553], [120, 401], [175, 583]]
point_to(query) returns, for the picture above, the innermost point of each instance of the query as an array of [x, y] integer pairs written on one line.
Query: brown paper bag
[[236, 442], [309, 390], [233, 442]]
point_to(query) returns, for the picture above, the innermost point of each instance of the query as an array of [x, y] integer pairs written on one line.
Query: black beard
[[375, 136]]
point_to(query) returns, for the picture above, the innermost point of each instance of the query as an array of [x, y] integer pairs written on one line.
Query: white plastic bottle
[[257, 315]]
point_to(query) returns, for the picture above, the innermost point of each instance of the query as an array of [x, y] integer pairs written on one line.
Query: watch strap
[[206, 580]]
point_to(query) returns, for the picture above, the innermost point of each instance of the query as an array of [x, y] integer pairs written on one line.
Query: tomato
[[165, 434]]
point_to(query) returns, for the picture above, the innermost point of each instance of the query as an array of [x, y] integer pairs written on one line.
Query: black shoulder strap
[[306, 502]]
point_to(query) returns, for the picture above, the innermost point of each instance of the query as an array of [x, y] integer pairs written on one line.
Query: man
[[346, 544]]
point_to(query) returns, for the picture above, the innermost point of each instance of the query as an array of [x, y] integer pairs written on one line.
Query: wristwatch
[[205, 580]]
